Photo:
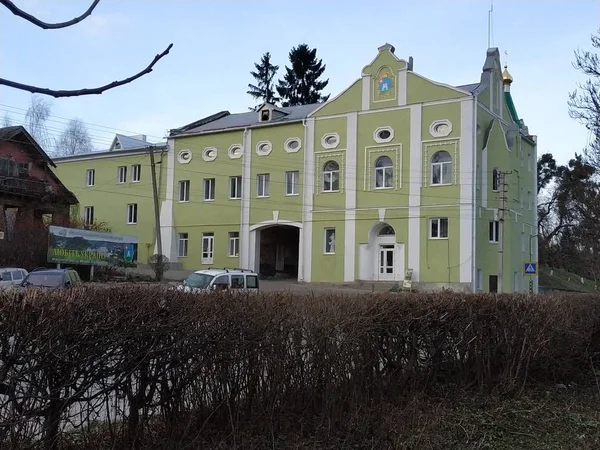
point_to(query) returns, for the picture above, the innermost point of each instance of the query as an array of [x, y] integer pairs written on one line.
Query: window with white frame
[[183, 242], [262, 185], [331, 176], [88, 215], [494, 234], [479, 280], [90, 177], [122, 174], [438, 228], [235, 187], [184, 191], [384, 173], [209, 189], [234, 244], [208, 248], [136, 173], [441, 168], [329, 241], [132, 212], [291, 182], [495, 180]]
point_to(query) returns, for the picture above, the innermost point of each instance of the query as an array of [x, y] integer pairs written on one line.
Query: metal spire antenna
[[490, 24]]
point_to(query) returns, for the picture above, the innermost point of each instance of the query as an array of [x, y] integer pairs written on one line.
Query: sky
[[215, 44]]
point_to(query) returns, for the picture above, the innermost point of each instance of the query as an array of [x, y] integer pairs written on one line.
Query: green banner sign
[[90, 248]]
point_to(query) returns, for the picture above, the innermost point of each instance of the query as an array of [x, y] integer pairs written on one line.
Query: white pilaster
[[484, 177], [167, 231], [245, 206], [402, 80], [414, 192], [350, 214], [467, 181], [366, 92], [308, 192]]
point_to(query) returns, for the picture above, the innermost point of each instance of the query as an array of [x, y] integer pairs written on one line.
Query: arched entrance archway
[[382, 258], [276, 249]]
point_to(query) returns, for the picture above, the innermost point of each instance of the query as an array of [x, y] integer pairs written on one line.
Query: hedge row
[[143, 367]]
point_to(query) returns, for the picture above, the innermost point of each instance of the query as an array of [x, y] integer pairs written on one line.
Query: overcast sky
[[217, 42]]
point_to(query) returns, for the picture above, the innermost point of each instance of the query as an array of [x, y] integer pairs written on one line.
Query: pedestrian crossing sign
[[530, 268]]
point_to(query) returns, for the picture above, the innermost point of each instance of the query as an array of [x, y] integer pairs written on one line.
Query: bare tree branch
[[85, 91], [45, 25]]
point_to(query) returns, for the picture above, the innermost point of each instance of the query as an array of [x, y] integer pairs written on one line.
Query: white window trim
[[122, 174], [211, 252], [441, 164], [181, 239], [266, 177], [183, 189], [383, 169], [287, 148], [264, 148], [496, 232], [330, 172], [90, 174], [325, 252], [238, 187], [379, 140], [325, 137], [136, 173], [86, 215], [207, 156], [233, 239], [231, 152], [295, 184], [133, 207], [439, 134], [184, 156], [439, 222], [212, 184]]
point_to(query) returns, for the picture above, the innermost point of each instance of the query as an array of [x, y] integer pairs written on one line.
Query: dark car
[[52, 278]]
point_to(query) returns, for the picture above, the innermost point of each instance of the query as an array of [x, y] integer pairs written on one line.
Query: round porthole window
[[235, 151], [263, 148], [384, 134], [209, 154], [292, 145], [440, 128], [330, 140], [184, 156]]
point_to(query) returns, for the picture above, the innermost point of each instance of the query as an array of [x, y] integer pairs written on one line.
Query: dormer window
[[117, 146], [265, 115]]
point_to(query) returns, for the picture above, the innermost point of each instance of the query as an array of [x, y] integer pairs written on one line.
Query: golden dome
[[506, 77]]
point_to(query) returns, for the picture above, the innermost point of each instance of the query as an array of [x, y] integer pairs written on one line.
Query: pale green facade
[[389, 181]]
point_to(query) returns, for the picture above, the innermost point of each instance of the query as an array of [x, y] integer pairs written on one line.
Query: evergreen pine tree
[[301, 85], [264, 89]]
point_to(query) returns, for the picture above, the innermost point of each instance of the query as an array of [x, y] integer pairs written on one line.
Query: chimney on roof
[[141, 137], [409, 66]]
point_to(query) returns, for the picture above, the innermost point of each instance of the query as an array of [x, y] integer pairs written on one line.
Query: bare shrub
[[147, 367]]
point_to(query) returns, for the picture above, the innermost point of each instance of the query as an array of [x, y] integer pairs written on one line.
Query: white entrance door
[[386, 262]]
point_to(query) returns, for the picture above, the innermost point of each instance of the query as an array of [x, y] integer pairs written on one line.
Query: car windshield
[[198, 280], [44, 279]]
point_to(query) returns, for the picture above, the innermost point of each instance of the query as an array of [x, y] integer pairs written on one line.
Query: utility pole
[[501, 211], [156, 211]]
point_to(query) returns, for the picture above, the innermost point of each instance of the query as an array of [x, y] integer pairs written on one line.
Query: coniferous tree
[[264, 89], [301, 85]]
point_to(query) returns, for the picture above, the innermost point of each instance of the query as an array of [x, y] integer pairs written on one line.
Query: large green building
[[397, 177]]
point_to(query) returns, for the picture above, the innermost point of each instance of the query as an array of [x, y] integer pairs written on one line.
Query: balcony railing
[[22, 186]]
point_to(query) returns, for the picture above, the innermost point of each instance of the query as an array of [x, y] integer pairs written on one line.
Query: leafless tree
[[74, 140], [36, 117], [6, 122], [54, 26]]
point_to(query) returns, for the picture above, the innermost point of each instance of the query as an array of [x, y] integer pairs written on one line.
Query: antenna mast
[[490, 24]]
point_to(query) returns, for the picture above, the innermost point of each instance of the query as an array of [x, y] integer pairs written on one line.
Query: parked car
[[10, 277], [51, 278], [221, 279]]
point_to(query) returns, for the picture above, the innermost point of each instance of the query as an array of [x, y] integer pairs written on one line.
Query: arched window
[[331, 176], [386, 231], [384, 173], [441, 168]]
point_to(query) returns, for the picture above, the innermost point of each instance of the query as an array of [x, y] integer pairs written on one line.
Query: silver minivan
[[11, 276], [208, 280]]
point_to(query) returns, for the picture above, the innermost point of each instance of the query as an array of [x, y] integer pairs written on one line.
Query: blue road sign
[[530, 268], [128, 252]]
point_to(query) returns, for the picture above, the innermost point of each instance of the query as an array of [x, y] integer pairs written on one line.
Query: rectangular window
[[251, 281], [529, 200], [234, 244], [291, 182], [495, 180], [494, 231], [262, 185], [329, 244], [182, 249], [132, 212], [529, 162], [184, 191], [88, 215], [235, 187], [90, 177], [479, 280], [122, 174], [208, 248], [209, 189], [136, 173], [523, 242], [438, 228]]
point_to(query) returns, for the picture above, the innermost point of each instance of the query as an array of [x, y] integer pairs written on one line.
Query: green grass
[[561, 279]]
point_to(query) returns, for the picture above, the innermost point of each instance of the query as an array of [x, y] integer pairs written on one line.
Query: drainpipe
[[245, 251], [474, 214]]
